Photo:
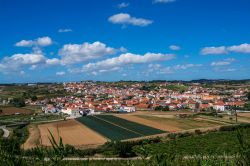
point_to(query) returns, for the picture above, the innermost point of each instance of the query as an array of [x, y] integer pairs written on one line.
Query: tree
[[161, 108], [247, 106], [33, 98], [248, 96], [18, 102]]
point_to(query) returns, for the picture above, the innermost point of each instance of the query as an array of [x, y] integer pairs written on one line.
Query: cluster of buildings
[[93, 97]]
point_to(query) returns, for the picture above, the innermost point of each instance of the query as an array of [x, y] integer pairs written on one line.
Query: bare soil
[[33, 139], [72, 133], [14, 110], [150, 123]]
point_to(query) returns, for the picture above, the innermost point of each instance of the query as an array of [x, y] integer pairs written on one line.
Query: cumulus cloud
[[213, 50], [159, 69], [123, 5], [163, 1], [76, 53], [126, 19], [17, 61], [60, 73], [125, 59], [223, 62], [174, 47], [186, 66], [24, 43], [65, 30], [41, 41], [53, 61], [242, 48], [221, 69]]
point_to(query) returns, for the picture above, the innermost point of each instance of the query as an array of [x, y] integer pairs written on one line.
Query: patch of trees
[[161, 108], [18, 102], [248, 96]]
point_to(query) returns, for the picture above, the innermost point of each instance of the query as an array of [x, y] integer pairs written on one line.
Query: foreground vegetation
[[228, 146]]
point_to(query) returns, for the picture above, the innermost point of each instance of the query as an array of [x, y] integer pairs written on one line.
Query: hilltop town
[[92, 97]]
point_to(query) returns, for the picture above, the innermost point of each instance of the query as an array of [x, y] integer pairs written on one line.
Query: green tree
[[33, 98], [248, 96], [18, 102]]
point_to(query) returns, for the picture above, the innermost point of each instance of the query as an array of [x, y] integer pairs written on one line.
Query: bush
[[198, 131], [18, 102], [184, 134], [172, 135]]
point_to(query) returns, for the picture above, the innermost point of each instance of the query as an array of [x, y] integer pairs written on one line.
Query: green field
[[139, 128], [219, 142], [116, 128]]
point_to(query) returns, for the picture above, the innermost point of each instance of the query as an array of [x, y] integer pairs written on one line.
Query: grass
[[1, 133], [34, 108], [29, 118]]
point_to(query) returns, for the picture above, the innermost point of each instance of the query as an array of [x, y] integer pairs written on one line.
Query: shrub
[[184, 134], [198, 132]]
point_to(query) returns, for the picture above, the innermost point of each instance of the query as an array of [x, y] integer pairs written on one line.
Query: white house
[[127, 109], [219, 106], [73, 112]]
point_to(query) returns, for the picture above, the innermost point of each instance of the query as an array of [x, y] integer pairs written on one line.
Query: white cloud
[[76, 53], [220, 63], [225, 62], [61, 73], [242, 48], [24, 43], [65, 30], [174, 47], [31, 61], [18, 61], [214, 50], [125, 59], [44, 41], [163, 1], [186, 66], [25, 59], [41, 41], [219, 69], [159, 69], [126, 19], [53, 61], [123, 5]]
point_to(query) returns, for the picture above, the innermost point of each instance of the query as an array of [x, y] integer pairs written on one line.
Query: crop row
[[107, 129], [136, 127]]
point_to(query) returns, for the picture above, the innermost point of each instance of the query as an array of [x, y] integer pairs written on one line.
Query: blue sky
[[111, 40]]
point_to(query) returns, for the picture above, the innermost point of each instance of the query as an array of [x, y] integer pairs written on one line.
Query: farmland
[[170, 122], [71, 132], [96, 130], [139, 128], [106, 129], [14, 110], [212, 143]]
